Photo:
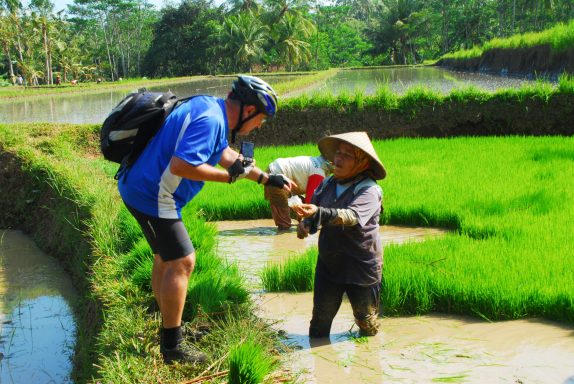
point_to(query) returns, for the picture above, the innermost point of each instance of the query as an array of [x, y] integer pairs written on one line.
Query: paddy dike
[[493, 115], [28, 203], [532, 62]]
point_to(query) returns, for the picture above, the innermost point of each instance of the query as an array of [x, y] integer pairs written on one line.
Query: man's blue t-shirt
[[195, 132]]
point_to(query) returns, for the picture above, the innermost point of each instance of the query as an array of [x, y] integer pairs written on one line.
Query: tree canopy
[[111, 39]]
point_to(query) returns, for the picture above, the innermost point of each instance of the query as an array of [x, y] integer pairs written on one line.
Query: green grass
[[384, 99], [508, 201], [560, 38], [296, 274]]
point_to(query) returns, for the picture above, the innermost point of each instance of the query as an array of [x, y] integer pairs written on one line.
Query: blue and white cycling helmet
[[252, 90]]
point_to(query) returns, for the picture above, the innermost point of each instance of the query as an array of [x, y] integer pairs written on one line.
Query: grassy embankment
[[117, 270], [559, 38]]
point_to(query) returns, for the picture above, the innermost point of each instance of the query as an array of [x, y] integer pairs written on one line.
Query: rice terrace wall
[[495, 115]]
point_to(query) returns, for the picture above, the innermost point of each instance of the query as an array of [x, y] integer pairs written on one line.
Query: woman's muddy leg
[[327, 297]]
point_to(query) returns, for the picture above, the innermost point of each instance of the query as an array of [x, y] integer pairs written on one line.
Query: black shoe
[[183, 353]]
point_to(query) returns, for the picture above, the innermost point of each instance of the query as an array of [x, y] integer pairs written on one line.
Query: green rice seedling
[[296, 274], [469, 94], [383, 98], [417, 97], [213, 290], [566, 84], [139, 253], [249, 363], [506, 200]]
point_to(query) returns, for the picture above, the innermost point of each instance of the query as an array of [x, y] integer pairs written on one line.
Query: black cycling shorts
[[166, 237]]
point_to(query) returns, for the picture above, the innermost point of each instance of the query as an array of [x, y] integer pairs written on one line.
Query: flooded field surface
[[425, 349], [253, 243], [37, 327]]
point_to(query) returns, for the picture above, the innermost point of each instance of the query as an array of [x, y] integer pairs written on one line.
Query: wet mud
[[423, 349], [37, 326]]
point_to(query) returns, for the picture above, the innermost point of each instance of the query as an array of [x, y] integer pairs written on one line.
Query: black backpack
[[132, 123]]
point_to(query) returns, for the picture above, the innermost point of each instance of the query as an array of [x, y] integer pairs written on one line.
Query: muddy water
[[37, 327], [253, 243], [425, 349]]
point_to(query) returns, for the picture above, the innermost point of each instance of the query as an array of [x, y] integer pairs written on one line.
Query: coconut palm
[[244, 36], [30, 71], [290, 36], [237, 6], [6, 38]]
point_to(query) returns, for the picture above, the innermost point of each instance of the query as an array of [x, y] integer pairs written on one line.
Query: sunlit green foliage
[[560, 38]]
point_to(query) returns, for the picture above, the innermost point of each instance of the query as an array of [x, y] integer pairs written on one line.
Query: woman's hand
[[305, 210], [302, 230]]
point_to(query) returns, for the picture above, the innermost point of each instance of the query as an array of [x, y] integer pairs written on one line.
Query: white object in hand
[[294, 201]]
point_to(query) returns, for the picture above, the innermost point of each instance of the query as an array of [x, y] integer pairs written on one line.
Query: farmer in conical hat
[[346, 207]]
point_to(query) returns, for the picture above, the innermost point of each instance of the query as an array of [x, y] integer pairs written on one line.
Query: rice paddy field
[[507, 200]]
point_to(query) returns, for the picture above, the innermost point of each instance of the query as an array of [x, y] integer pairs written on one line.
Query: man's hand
[[305, 210], [281, 181], [238, 171]]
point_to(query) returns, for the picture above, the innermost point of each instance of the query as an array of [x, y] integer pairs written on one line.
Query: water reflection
[[399, 80], [94, 107], [37, 331]]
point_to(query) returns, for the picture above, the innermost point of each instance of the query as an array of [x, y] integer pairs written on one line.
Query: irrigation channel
[[433, 348], [37, 326]]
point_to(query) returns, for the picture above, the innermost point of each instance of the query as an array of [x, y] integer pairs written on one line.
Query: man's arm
[[203, 172], [229, 156]]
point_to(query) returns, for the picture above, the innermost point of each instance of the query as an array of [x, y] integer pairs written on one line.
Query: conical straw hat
[[328, 146]]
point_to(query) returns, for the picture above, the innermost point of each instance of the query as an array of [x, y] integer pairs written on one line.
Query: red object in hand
[[312, 184]]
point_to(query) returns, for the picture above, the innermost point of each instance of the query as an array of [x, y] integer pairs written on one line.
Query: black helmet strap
[[240, 122]]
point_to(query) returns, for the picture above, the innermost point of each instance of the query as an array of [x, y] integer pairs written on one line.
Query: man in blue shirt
[[172, 170]]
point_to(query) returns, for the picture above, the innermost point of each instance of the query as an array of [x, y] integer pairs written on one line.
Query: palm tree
[[30, 71], [277, 9], [244, 36], [290, 36], [238, 6], [6, 38]]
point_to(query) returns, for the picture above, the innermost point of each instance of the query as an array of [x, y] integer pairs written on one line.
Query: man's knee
[[184, 265]]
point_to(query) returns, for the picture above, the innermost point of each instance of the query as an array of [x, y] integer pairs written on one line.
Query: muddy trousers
[[327, 298], [279, 207]]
